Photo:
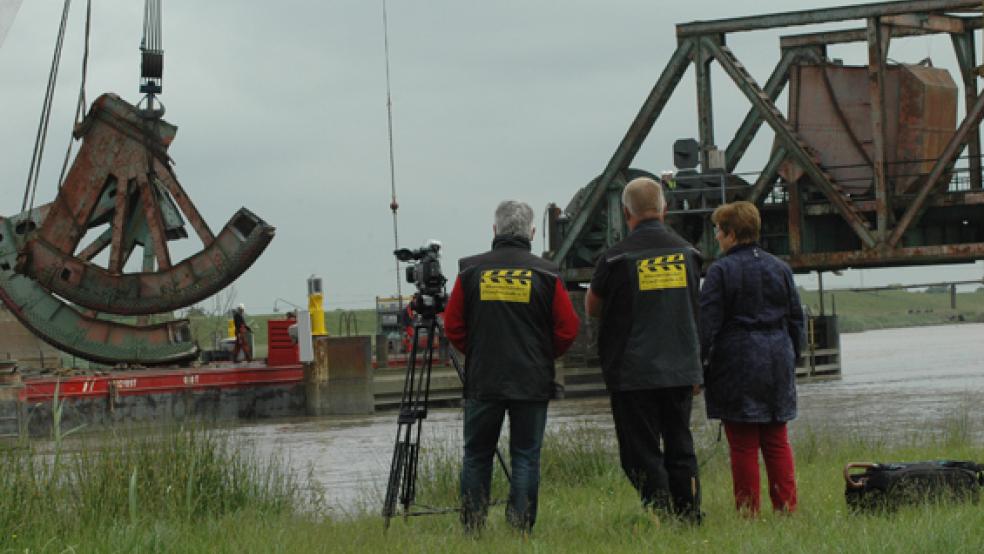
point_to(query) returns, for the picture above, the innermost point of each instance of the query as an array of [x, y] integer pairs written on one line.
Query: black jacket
[[648, 332]]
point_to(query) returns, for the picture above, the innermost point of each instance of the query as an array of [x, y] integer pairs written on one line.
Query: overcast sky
[[281, 108]]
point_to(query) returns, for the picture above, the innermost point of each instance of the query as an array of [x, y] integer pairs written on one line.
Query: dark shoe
[[473, 523]]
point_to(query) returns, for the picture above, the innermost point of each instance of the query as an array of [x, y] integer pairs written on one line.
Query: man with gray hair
[[510, 313], [645, 291]]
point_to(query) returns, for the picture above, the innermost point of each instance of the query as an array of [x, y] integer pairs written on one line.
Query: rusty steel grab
[[121, 179]]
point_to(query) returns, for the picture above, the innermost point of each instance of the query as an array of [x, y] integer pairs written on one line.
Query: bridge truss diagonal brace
[[631, 142], [784, 134], [767, 177], [773, 88]]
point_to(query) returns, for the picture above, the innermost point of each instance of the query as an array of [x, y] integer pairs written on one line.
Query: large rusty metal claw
[[86, 336], [122, 191]]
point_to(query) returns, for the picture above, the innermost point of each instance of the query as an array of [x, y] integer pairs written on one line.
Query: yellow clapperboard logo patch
[[663, 272], [506, 285]]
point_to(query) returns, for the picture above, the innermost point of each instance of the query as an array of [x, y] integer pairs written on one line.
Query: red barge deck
[[219, 392]]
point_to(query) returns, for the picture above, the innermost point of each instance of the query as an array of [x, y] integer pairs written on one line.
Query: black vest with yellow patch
[[662, 348], [509, 316]]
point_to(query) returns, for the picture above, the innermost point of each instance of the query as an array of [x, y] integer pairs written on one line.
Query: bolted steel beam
[[877, 54], [929, 22], [963, 47], [823, 15]]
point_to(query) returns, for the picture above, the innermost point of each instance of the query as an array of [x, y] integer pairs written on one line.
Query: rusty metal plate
[[832, 114]]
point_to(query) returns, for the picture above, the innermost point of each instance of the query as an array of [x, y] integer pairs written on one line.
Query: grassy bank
[[863, 311], [120, 491], [237, 504]]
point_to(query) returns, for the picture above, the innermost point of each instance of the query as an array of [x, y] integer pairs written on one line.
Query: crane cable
[[42, 135], [80, 107], [394, 205], [152, 39]]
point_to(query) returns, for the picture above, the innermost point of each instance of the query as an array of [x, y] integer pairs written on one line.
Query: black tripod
[[402, 483]]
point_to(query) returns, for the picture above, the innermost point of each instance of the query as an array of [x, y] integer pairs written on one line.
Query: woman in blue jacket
[[750, 327]]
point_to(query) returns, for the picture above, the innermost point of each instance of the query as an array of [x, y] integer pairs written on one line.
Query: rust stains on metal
[[121, 177], [947, 253]]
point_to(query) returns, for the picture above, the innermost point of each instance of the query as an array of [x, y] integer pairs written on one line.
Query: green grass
[[128, 482], [862, 311], [586, 504]]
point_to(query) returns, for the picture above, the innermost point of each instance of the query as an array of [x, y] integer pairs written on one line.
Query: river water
[[894, 381]]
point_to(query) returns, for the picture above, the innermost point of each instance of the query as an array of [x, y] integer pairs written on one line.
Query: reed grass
[[139, 477]]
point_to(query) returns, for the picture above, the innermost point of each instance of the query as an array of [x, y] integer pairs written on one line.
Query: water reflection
[[897, 381]]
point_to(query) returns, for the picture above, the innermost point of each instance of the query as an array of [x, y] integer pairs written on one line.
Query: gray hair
[[514, 218], [643, 196]]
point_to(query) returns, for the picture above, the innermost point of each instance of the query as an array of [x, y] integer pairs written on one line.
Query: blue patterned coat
[[751, 324]]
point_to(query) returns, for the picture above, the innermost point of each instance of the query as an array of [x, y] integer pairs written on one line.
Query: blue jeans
[[483, 422]]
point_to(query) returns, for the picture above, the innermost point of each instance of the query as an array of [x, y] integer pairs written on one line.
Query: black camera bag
[[885, 487]]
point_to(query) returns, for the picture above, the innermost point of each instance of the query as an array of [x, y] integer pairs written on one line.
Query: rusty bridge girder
[[814, 222]]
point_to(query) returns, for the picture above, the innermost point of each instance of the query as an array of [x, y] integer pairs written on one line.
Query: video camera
[[426, 275]]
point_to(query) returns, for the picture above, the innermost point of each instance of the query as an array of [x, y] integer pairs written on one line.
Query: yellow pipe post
[[316, 307]]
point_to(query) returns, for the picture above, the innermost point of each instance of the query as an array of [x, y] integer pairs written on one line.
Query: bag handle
[[849, 479]]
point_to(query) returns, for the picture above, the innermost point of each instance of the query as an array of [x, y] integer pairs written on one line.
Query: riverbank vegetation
[[885, 309], [199, 491]]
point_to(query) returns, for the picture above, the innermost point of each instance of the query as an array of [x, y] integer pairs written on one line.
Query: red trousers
[[744, 442]]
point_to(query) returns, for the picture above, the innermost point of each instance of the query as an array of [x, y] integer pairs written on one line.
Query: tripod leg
[[409, 491], [395, 477], [421, 400], [401, 485]]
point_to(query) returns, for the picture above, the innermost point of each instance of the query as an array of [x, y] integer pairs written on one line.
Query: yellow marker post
[[316, 307], [232, 328]]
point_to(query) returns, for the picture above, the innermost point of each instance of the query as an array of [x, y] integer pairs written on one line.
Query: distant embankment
[[883, 309], [856, 311]]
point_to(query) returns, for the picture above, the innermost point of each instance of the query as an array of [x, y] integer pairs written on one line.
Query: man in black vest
[[645, 291], [509, 312]]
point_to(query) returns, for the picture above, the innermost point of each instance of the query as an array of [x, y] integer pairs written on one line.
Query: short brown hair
[[741, 218]]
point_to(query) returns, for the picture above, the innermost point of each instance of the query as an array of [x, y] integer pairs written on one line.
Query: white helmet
[[241, 307]]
